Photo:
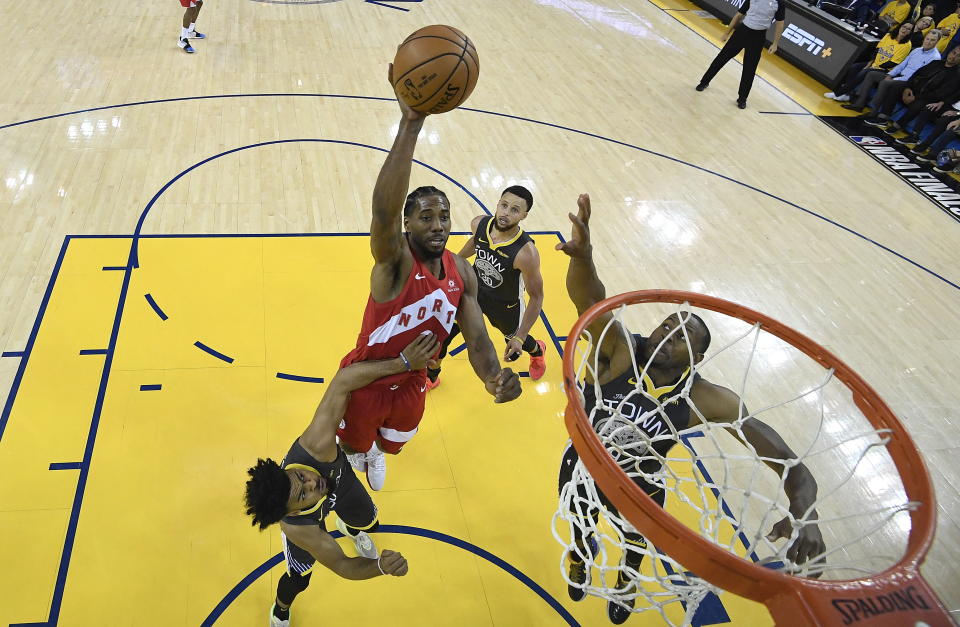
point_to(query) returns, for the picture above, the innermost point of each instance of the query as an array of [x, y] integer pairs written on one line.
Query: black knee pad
[[290, 586]]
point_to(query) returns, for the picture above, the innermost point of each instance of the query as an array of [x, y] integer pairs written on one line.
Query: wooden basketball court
[[241, 176]]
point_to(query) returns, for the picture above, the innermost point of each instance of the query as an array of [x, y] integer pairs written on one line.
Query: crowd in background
[[912, 78]]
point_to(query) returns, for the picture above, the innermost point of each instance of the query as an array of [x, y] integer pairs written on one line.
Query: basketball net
[[720, 486]]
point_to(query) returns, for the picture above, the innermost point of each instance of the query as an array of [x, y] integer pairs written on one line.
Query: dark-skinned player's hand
[[408, 113], [392, 563], [808, 545], [421, 351], [579, 243], [505, 386], [512, 351]]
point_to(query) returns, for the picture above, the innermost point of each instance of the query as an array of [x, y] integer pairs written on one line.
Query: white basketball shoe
[[362, 542], [358, 461], [277, 622], [376, 468]]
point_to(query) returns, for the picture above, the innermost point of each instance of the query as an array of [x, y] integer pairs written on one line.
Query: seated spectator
[[891, 50], [944, 132], [864, 11], [943, 8], [896, 12], [946, 113], [933, 83], [948, 27], [920, 29], [895, 81]]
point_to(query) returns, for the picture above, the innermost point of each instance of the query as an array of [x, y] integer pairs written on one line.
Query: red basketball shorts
[[188, 4], [390, 412]]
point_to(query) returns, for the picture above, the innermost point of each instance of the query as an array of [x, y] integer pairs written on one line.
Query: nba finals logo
[[866, 140]]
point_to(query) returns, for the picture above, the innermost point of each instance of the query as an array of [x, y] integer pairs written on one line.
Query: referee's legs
[[751, 58], [730, 49]]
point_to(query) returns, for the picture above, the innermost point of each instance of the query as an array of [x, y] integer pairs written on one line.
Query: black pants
[[751, 42], [852, 78], [918, 113], [888, 96], [875, 78], [939, 137]]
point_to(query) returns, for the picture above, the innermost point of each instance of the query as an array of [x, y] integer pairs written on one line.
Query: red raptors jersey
[[425, 303]]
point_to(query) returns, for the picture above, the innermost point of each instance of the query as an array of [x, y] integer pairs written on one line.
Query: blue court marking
[[297, 377], [716, 493], [84, 465], [15, 386], [12, 354], [523, 374], [384, 3], [532, 121], [150, 387], [121, 268], [155, 306], [209, 350], [91, 439], [134, 254], [458, 350], [65, 466], [94, 351], [401, 529]]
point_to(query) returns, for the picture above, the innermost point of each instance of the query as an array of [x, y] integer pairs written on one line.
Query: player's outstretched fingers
[[392, 563], [579, 244], [583, 204], [508, 386], [420, 351]]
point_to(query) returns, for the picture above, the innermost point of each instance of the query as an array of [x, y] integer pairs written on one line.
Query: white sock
[[192, 26], [184, 32]]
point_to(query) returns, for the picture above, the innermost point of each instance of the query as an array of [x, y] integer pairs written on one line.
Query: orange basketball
[[435, 69]]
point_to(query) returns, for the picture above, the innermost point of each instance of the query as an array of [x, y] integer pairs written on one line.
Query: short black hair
[[427, 190], [267, 491], [522, 192], [706, 339]]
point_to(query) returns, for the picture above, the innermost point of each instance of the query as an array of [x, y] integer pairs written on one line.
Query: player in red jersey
[[417, 286]]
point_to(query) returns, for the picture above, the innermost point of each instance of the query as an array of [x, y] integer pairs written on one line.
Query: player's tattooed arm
[[502, 384], [586, 289], [320, 437], [719, 404], [325, 550]]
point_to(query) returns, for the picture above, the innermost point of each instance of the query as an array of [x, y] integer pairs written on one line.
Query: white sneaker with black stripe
[[362, 541]]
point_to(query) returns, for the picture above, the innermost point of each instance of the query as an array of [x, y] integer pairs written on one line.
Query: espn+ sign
[[802, 38]]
